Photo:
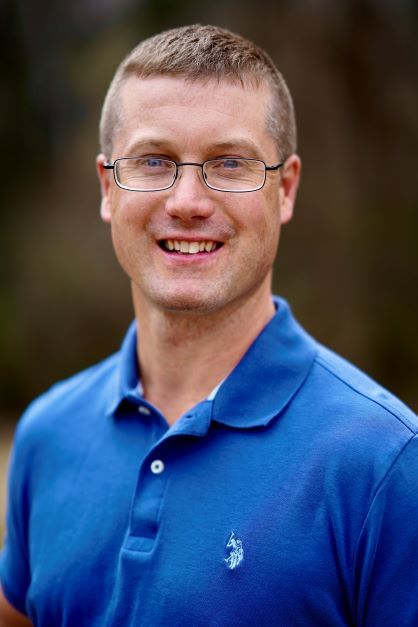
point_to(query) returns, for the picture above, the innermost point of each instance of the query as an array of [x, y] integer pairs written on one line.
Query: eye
[[154, 162], [230, 164], [153, 165]]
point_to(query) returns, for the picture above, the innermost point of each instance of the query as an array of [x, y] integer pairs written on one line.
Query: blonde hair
[[197, 53]]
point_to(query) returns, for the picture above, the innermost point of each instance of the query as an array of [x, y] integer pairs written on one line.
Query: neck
[[183, 356]]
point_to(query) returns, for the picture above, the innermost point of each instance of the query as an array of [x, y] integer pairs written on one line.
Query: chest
[[233, 533]]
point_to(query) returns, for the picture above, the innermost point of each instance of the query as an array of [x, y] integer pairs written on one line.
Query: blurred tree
[[348, 262]]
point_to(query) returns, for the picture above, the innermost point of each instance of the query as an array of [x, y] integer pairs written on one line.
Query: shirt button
[[157, 466], [144, 410]]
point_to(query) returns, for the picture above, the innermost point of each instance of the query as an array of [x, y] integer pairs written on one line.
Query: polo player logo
[[236, 554]]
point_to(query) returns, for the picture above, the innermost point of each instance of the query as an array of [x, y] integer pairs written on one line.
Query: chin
[[188, 305], [186, 301]]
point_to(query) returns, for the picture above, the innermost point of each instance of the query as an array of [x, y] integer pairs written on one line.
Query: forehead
[[193, 115]]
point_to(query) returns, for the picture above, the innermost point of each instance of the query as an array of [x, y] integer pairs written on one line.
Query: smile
[[189, 248]]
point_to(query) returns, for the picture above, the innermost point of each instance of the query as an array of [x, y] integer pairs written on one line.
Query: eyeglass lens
[[152, 173]]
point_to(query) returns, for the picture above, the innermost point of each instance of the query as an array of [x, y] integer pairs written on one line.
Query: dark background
[[348, 262]]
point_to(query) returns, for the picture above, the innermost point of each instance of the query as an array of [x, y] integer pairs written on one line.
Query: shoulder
[[344, 384], [355, 437], [69, 405], [360, 427]]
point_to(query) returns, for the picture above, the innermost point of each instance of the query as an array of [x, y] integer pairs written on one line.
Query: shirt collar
[[127, 371], [261, 385], [268, 375]]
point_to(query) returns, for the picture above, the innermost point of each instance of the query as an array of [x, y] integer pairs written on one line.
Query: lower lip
[[186, 258]]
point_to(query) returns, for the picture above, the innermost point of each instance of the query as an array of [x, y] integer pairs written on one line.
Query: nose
[[189, 198]]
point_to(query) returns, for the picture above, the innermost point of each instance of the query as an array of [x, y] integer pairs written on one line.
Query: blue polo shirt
[[290, 498]]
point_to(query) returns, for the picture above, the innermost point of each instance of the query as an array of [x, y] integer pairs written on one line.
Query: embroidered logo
[[236, 554]]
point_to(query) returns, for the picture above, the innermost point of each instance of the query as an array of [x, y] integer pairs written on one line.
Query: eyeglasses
[[153, 174]]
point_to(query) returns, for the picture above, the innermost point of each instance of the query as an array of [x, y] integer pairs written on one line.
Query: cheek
[[261, 221], [120, 245], [126, 230], [270, 242], [258, 240], [128, 217], [268, 232]]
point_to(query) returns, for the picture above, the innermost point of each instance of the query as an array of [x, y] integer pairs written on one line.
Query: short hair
[[199, 52]]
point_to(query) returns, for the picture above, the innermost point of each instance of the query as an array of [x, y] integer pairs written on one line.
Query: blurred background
[[348, 261]]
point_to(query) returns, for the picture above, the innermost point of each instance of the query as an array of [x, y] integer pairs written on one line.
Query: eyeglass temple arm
[[273, 167], [108, 166]]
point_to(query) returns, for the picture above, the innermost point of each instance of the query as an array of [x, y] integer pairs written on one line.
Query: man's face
[[194, 121]]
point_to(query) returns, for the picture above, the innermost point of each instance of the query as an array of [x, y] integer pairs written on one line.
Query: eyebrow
[[239, 143], [231, 145], [151, 142]]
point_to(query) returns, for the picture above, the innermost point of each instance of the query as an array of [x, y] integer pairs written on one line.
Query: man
[[223, 468]]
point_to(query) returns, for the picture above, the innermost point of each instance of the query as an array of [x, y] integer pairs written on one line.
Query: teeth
[[190, 248], [194, 247]]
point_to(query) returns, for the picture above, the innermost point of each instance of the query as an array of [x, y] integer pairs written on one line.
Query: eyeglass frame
[[267, 168]]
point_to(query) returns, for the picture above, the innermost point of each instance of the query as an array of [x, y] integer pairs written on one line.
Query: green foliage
[[348, 262]]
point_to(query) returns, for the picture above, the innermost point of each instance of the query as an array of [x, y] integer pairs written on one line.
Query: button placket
[[149, 494], [154, 475]]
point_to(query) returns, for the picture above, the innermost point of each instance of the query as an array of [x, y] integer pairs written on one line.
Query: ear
[[289, 186], [105, 180]]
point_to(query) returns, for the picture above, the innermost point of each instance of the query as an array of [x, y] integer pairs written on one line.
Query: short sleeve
[[386, 561], [14, 563]]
